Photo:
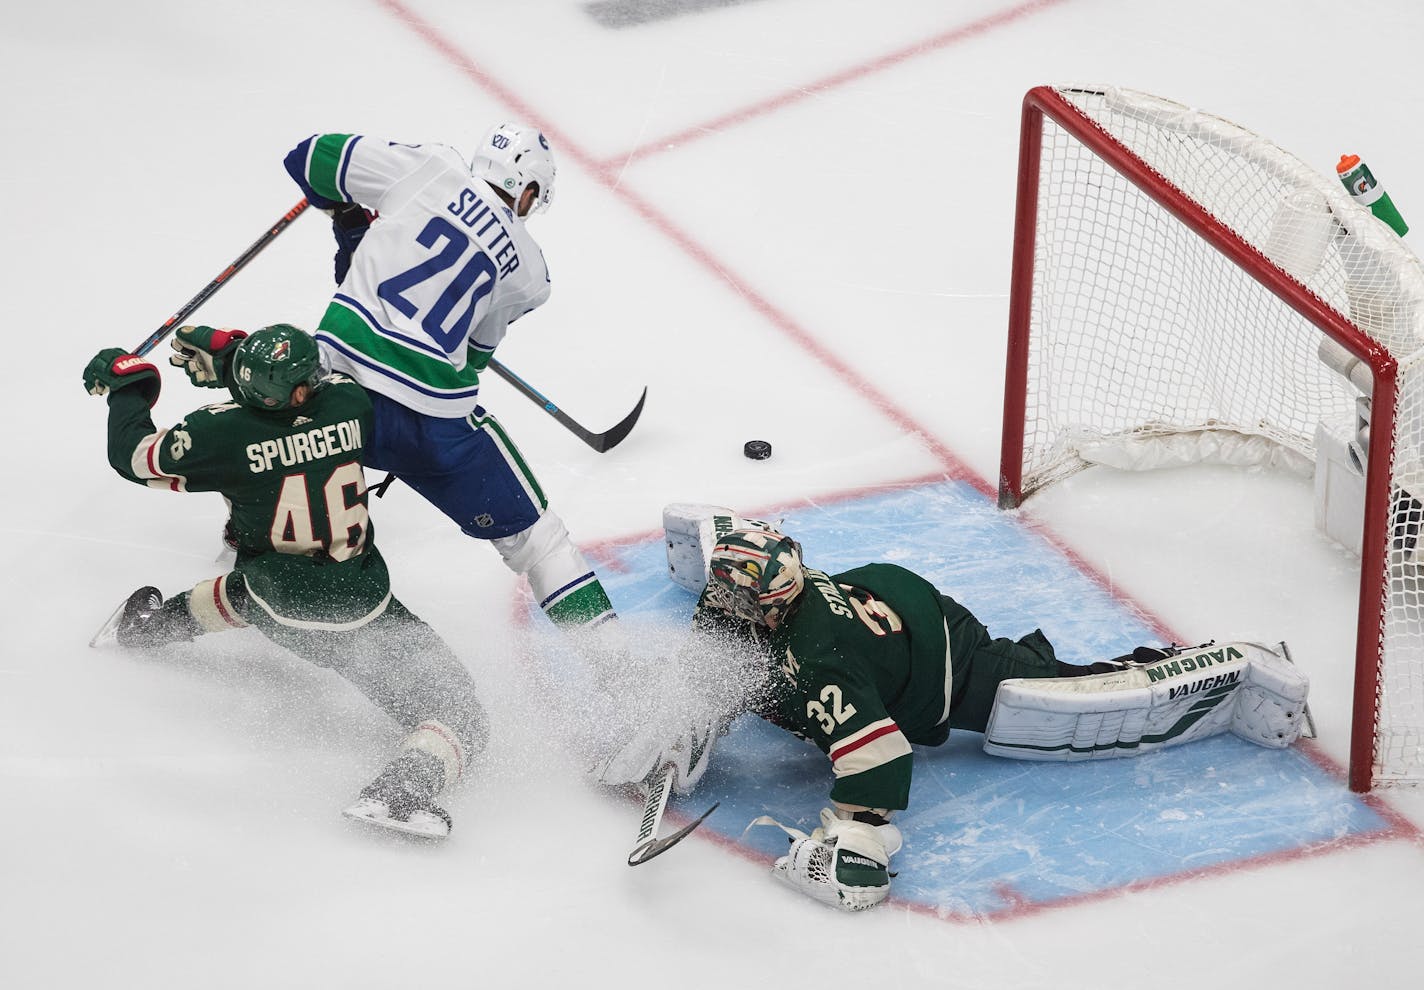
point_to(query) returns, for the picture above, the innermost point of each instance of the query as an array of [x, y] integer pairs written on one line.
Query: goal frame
[[1044, 102]]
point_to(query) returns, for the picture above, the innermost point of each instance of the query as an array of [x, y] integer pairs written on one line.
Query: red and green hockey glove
[[114, 368]]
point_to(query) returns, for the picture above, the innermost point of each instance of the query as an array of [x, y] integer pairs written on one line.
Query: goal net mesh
[[1149, 346]]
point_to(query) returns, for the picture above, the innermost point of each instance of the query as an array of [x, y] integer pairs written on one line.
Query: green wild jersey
[[438, 277], [295, 487], [863, 668]]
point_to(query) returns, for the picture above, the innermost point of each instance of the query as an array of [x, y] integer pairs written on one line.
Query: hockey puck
[[757, 450]]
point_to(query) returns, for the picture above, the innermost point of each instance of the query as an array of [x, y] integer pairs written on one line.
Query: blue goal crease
[[985, 835]]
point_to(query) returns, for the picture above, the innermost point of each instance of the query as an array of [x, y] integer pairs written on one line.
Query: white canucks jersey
[[438, 278]]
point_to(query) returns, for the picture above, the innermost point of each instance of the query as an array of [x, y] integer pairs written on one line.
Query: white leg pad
[[691, 530], [1232, 687]]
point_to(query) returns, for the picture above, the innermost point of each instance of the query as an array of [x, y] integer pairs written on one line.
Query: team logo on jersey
[[282, 351]]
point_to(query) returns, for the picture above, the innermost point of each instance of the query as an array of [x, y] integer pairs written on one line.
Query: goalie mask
[[270, 363], [510, 157], [756, 575]]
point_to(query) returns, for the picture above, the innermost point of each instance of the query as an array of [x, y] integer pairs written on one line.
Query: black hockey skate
[[402, 798], [142, 622]]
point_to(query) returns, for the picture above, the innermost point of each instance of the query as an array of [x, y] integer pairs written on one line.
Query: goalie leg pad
[[1237, 687], [691, 530]]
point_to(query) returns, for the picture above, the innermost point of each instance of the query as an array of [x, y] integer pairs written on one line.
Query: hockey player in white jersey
[[445, 265]]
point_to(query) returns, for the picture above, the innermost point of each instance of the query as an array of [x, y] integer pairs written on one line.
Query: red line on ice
[[955, 469], [965, 32]]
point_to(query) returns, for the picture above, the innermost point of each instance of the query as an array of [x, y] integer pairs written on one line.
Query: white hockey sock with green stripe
[[562, 579]]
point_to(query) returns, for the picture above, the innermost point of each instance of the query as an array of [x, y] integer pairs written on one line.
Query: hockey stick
[[171, 324], [647, 846], [600, 442]]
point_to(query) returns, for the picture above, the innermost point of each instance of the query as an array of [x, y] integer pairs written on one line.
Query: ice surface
[[791, 219]]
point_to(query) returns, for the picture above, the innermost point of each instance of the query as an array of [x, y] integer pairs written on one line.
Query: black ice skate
[[402, 798], [128, 620]]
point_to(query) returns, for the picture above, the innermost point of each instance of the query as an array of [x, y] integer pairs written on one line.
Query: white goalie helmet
[[510, 157], [756, 575]]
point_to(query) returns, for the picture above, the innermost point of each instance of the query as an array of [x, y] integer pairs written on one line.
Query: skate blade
[[108, 634], [421, 824]]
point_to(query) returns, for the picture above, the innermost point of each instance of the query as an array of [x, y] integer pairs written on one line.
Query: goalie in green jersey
[[867, 662], [286, 453]]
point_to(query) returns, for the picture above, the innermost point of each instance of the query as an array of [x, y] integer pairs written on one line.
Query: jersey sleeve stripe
[[326, 165], [298, 164], [347, 153], [144, 464], [874, 746]]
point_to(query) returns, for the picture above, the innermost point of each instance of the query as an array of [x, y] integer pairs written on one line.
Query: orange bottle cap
[[1347, 162]]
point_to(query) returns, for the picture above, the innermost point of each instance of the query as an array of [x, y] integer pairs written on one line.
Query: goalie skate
[[432, 822]]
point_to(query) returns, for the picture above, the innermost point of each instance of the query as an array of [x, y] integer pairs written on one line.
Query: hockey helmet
[[510, 157], [270, 363], [756, 575]]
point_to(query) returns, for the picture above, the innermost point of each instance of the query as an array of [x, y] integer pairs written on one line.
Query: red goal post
[[1174, 277]]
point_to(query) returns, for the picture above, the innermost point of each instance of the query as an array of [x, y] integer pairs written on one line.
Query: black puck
[[757, 450]]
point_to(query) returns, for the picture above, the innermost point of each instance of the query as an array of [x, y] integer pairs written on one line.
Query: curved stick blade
[[656, 847], [608, 440]]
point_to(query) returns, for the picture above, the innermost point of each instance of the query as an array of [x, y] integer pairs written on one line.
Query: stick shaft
[[174, 321]]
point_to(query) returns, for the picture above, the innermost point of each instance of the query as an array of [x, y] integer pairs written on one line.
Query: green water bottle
[[1358, 178]]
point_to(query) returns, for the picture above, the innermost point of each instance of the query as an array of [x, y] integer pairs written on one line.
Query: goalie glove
[[203, 352], [845, 863]]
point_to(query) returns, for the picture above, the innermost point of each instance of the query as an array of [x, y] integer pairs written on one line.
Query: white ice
[[829, 273]]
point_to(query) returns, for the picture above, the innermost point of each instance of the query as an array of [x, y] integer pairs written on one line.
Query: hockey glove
[[203, 353], [844, 863], [114, 368], [349, 223]]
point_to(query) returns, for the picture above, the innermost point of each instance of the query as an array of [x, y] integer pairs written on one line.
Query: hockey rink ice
[[984, 836], [791, 220]]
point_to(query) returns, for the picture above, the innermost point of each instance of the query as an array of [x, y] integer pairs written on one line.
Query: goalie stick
[[659, 789], [253, 250]]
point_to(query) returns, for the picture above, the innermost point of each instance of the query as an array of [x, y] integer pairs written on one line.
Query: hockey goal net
[[1185, 291]]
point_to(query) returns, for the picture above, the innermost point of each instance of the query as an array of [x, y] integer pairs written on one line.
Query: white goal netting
[[1154, 341]]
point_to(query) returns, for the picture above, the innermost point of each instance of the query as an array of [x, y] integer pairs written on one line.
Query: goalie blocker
[[1243, 688]]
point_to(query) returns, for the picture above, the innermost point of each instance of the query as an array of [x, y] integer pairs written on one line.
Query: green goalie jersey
[[295, 487], [865, 669]]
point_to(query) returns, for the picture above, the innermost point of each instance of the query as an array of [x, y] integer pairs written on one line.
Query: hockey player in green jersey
[[867, 662], [445, 263], [287, 455]]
